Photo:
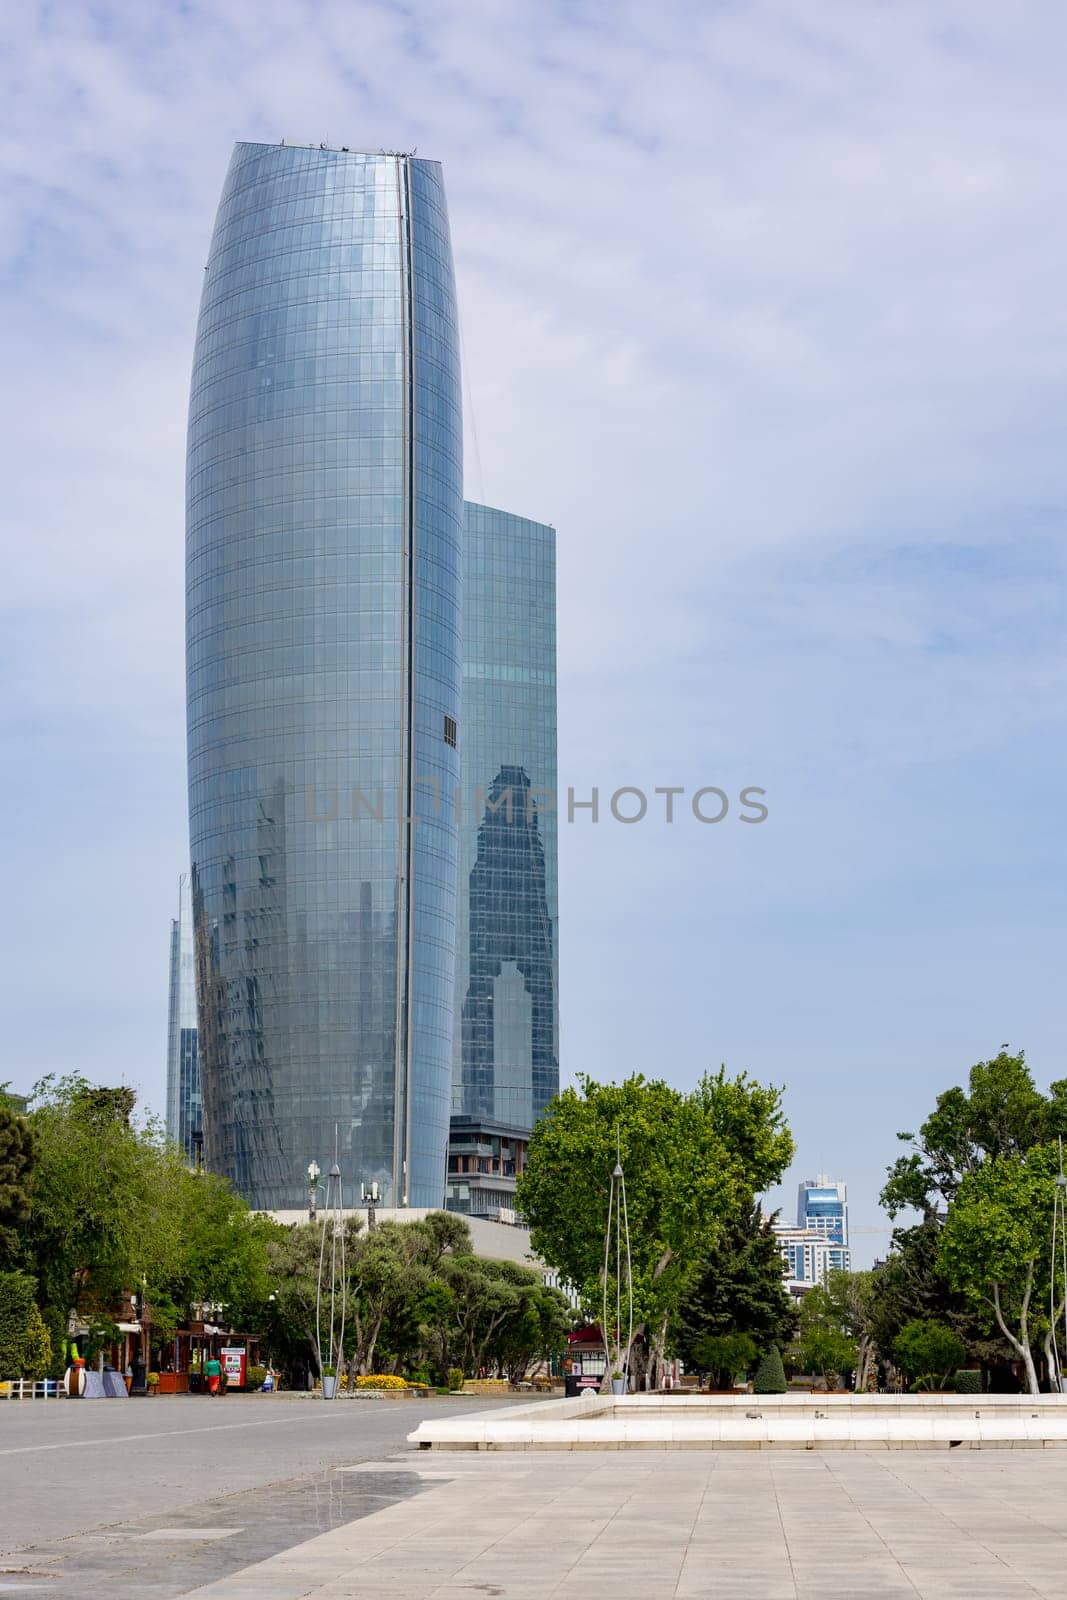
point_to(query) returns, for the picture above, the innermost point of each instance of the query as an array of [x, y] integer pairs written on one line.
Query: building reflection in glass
[[505, 1065]]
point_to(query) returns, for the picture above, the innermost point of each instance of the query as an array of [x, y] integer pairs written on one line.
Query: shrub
[[455, 1379], [382, 1380], [153, 1380], [926, 1348], [254, 1377], [968, 1381], [25, 1347], [420, 1377], [770, 1374]]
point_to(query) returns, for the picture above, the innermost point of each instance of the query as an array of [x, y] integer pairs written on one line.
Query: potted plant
[[153, 1382], [618, 1383], [329, 1381]]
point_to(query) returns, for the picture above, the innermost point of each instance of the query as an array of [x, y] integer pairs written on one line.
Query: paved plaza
[[681, 1525], [282, 1501]]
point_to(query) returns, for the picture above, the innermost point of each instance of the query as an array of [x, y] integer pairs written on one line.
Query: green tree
[[1001, 1113], [115, 1209], [723, 1356], [690, 1162], [88, 1233], [204, 1244], [536, 1331], [926, 1348], [994, 1246], [25, 1348], [16, 1169], [824, 1344], [739, 1289], [389, 1270], [846, 1299], [770, 1374]]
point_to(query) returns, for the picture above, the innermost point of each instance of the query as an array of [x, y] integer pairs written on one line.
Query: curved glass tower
[[323, 610], [505, 1065]]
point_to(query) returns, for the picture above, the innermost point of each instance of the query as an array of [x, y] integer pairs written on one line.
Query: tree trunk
[[1051, 1366], [864, 1364], [657, 1357], [1020, 1345], [368, 1359]]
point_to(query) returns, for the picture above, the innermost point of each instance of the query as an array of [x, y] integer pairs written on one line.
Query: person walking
[[213, 1373]]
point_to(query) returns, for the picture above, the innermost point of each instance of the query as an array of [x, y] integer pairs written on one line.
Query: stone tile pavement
[[685, 1525]]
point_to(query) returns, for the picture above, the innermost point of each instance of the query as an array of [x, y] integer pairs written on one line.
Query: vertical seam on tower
[[409, 274], [400, 1041]]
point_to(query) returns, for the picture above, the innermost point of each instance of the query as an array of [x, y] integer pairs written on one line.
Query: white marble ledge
[[688, 1421]]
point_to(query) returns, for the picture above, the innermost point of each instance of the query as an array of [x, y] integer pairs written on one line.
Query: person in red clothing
[[213, 1373]]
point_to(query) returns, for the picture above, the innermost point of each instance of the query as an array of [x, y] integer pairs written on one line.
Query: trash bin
[[138, 1384]]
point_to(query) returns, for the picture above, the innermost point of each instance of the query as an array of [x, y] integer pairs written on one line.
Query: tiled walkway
[[789, 1525]]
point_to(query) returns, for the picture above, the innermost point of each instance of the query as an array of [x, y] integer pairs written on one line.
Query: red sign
[[233, 1365]]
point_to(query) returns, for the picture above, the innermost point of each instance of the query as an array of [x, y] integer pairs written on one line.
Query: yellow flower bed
[[382, 1380]]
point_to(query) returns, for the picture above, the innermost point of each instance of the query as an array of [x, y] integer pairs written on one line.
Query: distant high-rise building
[[323, 615], [807, 1257], [184, 1125], [822, 1208], [505, 1051]]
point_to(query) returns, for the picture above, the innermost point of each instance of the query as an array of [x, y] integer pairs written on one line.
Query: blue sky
[[763, 307]]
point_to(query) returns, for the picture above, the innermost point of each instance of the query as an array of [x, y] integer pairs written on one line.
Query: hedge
[[25, 1348]]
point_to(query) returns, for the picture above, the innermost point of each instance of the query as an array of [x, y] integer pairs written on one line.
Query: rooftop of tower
[[336, 149]]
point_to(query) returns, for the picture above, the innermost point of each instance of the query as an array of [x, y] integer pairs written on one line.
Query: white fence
[[30, 1389]]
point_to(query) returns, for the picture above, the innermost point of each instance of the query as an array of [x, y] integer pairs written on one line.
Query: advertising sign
[[233, 1365]]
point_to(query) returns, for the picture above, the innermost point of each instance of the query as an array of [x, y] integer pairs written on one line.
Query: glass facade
[[184, 1126], [323, 611], [505, 1054]]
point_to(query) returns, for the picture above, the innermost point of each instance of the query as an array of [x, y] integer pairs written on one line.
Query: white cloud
[[751, 295]]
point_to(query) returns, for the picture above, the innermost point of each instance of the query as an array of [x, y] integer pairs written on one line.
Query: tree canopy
[[690, 1161], [416, 1296], [16, 1167], [1001, 1113]]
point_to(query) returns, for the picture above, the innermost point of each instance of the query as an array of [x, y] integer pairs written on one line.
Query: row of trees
[[974, 1281], [418, 1301], [95, 1205]]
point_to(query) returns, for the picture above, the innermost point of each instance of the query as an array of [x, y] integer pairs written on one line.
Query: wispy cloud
[[763, 307]]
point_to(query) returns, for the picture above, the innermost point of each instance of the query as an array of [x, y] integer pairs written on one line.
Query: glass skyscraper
[[822, 1208], [505, 1054], [184, 1125], [323, 610]]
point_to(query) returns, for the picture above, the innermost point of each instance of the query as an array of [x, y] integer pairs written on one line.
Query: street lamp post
[[370, 1195], [313, 1189]]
